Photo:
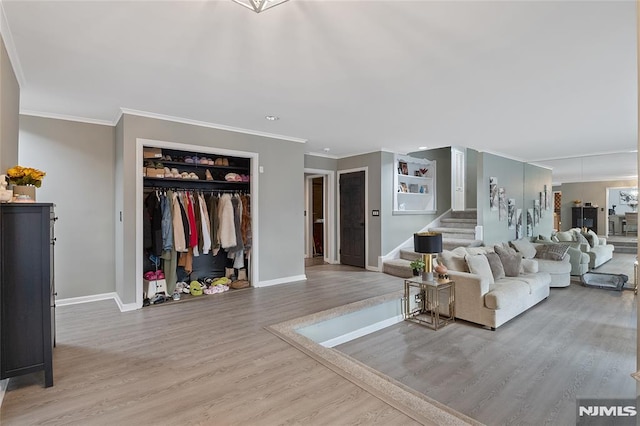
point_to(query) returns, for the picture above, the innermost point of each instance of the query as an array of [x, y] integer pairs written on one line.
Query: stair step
[[625, 249], [460, 220], [458, 223], [398, 268], [450, 244], [466, 214], [409, 255], [470, 231]]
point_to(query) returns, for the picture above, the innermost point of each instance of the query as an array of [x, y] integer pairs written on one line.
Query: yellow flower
[[19, 175]]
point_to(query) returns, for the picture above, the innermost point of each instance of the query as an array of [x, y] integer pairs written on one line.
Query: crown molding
[[207, 124], [65, 117], [9, 44]]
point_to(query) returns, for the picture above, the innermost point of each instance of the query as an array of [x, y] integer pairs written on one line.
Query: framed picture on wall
[[502, 204], [493, 193], [511, 213]]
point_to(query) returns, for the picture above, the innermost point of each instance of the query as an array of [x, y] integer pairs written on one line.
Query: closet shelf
[[179, 164], [193, 183]]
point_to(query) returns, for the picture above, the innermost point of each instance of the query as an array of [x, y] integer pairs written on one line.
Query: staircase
[[458, 230], [629, 246]]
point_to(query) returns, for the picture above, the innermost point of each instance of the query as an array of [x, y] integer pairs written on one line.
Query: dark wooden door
[[352, 215]]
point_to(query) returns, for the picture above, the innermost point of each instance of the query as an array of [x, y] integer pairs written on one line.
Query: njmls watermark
[[609, 411]]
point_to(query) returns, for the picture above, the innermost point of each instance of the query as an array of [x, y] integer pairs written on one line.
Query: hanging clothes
[[179, 236], [227, 227], [167, 222], [206, 233], [246, 222], [193, 229], [152, 204], [214, 223]]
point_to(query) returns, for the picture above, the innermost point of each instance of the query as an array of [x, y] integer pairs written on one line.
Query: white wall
[[78, 159]]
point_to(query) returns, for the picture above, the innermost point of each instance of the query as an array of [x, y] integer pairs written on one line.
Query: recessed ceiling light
[[422, 148], [327, 149], [272, 117]]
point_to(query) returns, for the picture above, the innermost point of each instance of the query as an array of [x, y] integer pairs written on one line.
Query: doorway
[[319, 216], [353, 218]]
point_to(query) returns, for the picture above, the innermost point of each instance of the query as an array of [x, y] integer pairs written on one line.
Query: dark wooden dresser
[[27, 291]]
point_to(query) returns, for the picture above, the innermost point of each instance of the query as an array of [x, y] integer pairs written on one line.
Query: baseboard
[[372, 268], [372, 328], [284, 280], [3, 388], [85, 299], [125, 307]]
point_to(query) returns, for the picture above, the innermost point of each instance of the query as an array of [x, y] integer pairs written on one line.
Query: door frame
[[329, 212], [366, 216], [454, 151], [139, 190]]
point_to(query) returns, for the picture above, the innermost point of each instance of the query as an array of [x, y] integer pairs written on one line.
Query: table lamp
[[427, 243]]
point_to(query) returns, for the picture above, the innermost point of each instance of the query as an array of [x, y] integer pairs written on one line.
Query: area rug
[[410, 402]]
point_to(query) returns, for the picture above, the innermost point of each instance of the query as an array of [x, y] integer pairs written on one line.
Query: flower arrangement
[[25, 176]]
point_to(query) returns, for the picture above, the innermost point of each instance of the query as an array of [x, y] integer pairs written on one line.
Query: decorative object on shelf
[[414, 179], [577, 203], [5, 194], [259, 5], [403, 168], [427, 243]]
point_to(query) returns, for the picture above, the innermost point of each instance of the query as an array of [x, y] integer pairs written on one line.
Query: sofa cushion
[[580, 237], [453, 261], [552, 251], [529, 266], [505, 293], [556, 267], [479, 265], [565, 236], [535, 281], [594, 238], [496, 265], [511, 261], [525, 247]]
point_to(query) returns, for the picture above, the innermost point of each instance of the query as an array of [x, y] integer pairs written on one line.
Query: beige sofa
[[557, 261], [490, 299], [593, 245]]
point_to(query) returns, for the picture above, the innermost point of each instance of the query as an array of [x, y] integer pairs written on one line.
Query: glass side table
[[429, 303]]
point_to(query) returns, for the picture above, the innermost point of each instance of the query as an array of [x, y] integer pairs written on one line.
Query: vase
[[20, 192]]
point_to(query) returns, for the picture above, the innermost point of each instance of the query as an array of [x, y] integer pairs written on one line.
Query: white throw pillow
[[596, 240], [525, 248], [479, 265]]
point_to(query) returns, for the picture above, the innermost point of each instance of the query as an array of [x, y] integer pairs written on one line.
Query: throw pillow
[[496, 265], [565, 236], [453, 261], [552, 251], [543, 238], [596, 240], [582, 238], [511, 261], [525, 248], [479, 265]]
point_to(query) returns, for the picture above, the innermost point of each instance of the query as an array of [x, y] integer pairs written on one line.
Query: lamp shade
[[427, 242]]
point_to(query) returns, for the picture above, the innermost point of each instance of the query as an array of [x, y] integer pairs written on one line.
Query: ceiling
[[533, 81]]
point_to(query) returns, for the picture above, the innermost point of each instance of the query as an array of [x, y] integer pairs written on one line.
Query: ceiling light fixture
[[259, 5], [272, 117], [422, 148]]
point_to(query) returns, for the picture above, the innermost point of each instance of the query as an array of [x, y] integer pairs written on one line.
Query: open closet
[[196, 224]]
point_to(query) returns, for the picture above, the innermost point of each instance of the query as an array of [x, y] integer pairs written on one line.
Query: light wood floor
[[580, 342], [210, 361]]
